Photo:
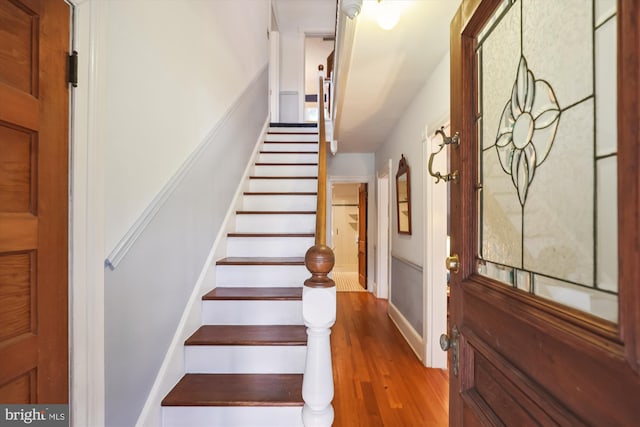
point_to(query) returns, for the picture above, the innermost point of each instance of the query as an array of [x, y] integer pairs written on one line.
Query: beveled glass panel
[[605, 9], [607, 254], [557, 42], [606, 96], [547, 137], [592, 301], [558, 215]]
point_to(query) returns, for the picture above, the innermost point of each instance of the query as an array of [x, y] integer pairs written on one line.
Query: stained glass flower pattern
[[527, 128]]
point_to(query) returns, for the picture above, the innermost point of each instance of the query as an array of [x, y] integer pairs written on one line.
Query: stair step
[[279, 201], [253, 306], [271, 235], [275, 212], [283, 177], [285, 164], [288, 152], [250, 294], [287, 146], [261, 261], [241, 335], [236, 390], [283, 185]]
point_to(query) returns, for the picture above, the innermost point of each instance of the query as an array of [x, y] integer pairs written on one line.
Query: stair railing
[[319, 299]]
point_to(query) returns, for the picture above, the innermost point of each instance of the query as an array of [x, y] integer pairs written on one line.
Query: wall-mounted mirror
[[403, 197]]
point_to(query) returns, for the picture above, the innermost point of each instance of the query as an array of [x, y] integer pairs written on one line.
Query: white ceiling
[[388, 67]]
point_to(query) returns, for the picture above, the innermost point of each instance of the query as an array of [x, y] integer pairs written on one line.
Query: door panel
[[544, 337], [362, 235], [34, 40]]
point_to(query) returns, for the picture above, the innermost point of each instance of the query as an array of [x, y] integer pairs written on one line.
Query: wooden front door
[[34, 115], [362, 235], [546, 301]]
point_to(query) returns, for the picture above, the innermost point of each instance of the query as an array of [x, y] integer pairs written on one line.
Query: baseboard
[[172, 368], [122, 247], [410, 335]]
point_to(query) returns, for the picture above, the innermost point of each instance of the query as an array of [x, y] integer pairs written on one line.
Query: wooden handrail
[[321, 208]]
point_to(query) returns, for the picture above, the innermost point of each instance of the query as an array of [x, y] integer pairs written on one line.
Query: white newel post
[[319, 313]]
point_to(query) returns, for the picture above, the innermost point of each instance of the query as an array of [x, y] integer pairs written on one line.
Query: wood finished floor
[[378, 379]]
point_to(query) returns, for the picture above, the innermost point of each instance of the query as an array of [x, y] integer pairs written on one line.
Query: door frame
[[86, 208], [383, 238], [434, 241], [351, 180]]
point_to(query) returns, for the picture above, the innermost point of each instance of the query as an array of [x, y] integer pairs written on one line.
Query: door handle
[[446, 140], [451, 343]]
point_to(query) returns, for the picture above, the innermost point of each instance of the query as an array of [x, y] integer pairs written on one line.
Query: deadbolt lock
[[453, 263]]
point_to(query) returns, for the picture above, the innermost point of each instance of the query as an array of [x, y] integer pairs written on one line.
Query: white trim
[[123, 246], [383, 239], [435, 277], [413, 338], [86, 232], [172, 367]]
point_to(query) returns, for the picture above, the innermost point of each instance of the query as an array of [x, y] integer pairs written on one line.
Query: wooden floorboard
[[378, 379]]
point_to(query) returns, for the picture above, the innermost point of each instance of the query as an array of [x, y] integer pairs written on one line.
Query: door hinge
[[72, 68]]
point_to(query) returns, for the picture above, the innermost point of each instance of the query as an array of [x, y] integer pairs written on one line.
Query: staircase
[[244, 365]]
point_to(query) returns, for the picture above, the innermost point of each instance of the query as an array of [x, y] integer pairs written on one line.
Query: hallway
[[378, 379]]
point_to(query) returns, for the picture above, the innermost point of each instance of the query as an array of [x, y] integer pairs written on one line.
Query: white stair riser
[[276, 223], [283, 185], [292, 170], [268, 246], [297, 129], [289, 147], [240, 359], [261, 275], [288, 158], [252, 312], [292, 137], [232, 416], [279, 203]]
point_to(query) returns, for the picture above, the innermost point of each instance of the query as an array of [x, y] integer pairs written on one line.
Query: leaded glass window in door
[[547, 138]]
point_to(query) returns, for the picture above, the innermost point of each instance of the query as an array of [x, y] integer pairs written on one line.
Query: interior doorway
[[348, 235], [317, 49]]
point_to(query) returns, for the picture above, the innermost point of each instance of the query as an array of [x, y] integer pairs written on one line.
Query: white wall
[[429, 108], [173, 69], [292, 69]]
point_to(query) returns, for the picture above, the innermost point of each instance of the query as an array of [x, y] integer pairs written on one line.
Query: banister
[[319, 299]]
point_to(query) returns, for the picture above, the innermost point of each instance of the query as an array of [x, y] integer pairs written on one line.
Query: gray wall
[[146, 294], [406, 292]]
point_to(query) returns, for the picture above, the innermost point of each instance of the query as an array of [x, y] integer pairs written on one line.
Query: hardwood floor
[[378, 379]]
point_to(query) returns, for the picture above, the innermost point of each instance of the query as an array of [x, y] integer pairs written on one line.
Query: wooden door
[[34, 114], [546, 301], [362, 235]]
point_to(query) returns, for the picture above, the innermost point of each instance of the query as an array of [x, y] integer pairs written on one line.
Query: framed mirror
[[403, 197]]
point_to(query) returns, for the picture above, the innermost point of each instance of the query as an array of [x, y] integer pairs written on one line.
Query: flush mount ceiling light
[[388, 13], [351, 8]]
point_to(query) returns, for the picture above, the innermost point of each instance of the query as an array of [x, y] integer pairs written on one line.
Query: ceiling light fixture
[[351, 8], [388, 13]]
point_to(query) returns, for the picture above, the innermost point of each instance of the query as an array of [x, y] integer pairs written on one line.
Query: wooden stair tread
[[284, 164], [261, 261], [271, 234], [251, 294], [279, 193], [282, 335], [291, 142], [282, 177], [289, 152], [236, 390], [275, 212], [311, 125]]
